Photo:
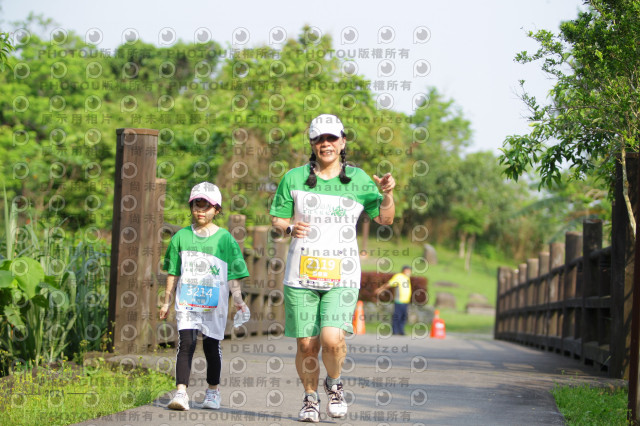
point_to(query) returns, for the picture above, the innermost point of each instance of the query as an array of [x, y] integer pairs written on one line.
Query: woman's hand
[[300, 229], [387, 206], [386, 183]]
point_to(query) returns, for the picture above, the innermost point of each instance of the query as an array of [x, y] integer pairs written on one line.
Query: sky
[[463, 48]]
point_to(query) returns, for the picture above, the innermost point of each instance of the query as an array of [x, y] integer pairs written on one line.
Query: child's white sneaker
[[180, 401], [212, 399]]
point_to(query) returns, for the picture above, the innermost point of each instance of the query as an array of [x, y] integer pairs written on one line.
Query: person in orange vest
[[402, 282]]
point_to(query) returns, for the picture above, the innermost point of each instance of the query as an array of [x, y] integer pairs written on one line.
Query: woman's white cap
[[325, 124], [208, 191]]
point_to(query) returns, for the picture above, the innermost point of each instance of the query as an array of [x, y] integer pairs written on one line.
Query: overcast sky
[[463, 48]]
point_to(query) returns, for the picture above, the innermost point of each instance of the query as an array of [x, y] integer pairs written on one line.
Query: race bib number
[[325, 269], [199, 296]]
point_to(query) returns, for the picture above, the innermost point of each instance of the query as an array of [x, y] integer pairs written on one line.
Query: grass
[[69, 394], [460, 322], [586, 405], [481, 279], [455, 322]]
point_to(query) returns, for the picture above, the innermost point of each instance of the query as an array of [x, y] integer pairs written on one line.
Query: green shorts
[[307, 310]]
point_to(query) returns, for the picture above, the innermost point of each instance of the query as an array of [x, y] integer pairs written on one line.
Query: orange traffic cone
[[358, 318], [437, 327]]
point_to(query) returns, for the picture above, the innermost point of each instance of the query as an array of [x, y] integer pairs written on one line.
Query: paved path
[[460, 380]]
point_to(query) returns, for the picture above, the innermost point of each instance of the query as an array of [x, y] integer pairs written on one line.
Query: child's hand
[[164, 311], [243, 315], [241, 306]]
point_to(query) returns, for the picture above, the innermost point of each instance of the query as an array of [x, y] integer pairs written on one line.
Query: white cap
[[325, 124], [208, 191]]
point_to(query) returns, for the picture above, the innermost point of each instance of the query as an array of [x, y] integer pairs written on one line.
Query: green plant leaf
[[13, 316], [40, 300], [6, 278], [52, 281], [29, 274]]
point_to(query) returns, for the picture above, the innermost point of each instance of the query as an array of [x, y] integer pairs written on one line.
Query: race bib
[[325, 269], [201, 295]]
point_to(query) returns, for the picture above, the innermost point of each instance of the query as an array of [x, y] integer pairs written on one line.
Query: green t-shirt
[[203, 263], [328, 256]]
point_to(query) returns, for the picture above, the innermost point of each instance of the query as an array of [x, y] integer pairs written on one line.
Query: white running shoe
[[212, 399], [337, 406], [180, 401], [309, 411]]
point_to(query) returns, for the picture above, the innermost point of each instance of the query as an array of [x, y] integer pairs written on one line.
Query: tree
[[6, 47], [440, 133], [592, 119]]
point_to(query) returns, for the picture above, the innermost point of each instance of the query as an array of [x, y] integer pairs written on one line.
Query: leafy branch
[[591, 120]]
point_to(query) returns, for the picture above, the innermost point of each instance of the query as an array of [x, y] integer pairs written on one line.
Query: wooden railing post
[[556, 256], [542, 297], [633, 403], [513, 303], [278, 264], [592, 241], [522, 299], [622, 258], [260, 277], [570, 317], [501, 303], [532, 276]]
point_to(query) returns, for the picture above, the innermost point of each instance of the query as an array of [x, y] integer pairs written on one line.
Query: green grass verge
[[586, 405], [460, 322], [67, 395], [455, 322]]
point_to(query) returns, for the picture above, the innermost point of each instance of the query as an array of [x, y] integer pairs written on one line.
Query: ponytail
[[343, 172], [312, 179]]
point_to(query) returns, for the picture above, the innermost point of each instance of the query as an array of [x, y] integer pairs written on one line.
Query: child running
[[204, 263]]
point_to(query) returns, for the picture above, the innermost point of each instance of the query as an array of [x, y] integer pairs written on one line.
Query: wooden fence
[[576, 298], [561, 301]]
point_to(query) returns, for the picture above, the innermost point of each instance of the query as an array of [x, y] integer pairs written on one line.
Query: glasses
[[322, 138]]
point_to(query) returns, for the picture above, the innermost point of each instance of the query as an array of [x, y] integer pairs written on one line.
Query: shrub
[[370, 281]]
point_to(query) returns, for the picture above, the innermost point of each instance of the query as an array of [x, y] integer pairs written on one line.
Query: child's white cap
[[208, 191]]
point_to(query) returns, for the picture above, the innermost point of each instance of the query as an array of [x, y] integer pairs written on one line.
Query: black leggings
[[186, 348]]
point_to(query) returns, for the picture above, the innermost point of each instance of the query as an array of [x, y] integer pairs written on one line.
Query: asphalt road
[[459, 380]]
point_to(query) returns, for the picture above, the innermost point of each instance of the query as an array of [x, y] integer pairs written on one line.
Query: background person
[[318, 204], [402, 283]]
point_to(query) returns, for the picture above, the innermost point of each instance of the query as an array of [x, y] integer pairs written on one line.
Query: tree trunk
[[625, 191], [467, 261], [461, 250]]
